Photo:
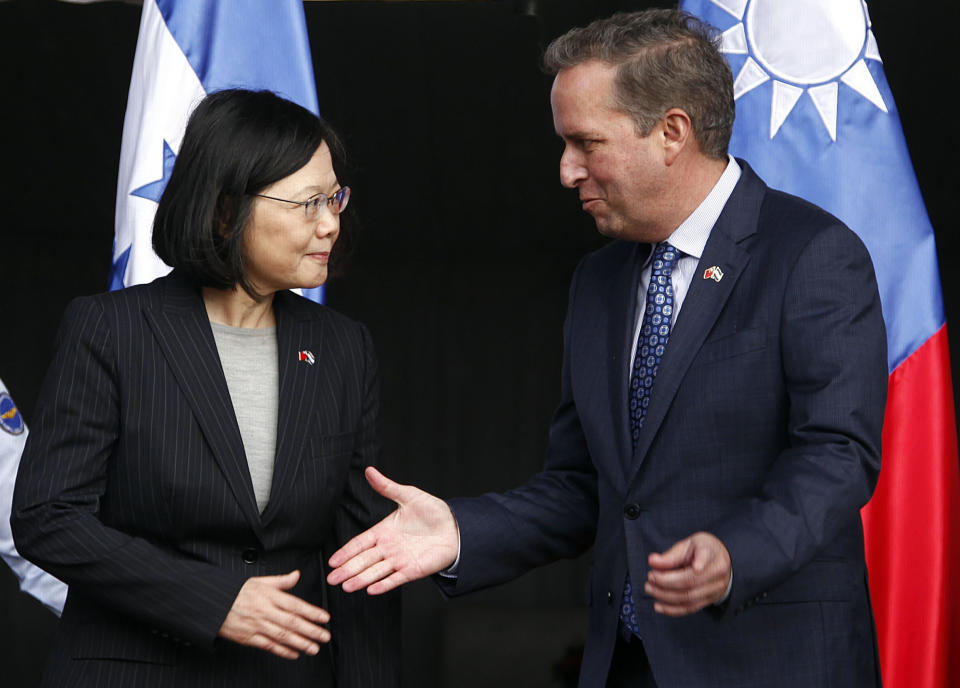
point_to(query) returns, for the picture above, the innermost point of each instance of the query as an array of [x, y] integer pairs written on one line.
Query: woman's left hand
[[266, 617]]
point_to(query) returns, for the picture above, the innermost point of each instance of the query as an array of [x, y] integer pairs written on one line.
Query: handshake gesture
[[420, 538]]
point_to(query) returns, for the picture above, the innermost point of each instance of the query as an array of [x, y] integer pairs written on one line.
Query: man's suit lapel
[[703, 303], [620, 343], [298, 329], [182, 329]]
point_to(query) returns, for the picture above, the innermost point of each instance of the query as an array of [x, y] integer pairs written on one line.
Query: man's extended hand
[[694, 573], [420, 538]]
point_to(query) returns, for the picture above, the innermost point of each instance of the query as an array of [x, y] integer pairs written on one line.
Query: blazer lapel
[[704, 301], [623, 301], [298, 330], [182, 330]]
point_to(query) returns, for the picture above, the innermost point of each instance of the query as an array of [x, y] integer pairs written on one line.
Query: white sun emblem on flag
[[803, 45]]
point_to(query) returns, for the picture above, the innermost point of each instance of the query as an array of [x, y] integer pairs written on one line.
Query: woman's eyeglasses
[[313, 207]]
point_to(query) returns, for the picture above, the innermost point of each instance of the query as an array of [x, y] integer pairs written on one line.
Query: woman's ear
[[224, 216]]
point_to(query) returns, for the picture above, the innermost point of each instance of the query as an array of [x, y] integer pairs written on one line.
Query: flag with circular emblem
[[816, 118]]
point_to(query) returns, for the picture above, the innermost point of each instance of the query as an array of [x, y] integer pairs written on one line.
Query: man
[[723, 391], [33, 580]]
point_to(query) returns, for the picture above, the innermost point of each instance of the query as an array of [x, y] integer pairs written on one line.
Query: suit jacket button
[[249, 556], [609, 597], [631, 511]]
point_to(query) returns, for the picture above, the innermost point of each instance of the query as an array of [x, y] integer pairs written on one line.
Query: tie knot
[[664, 257]]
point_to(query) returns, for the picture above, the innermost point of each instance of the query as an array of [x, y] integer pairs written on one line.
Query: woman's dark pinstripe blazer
[[134, 489]]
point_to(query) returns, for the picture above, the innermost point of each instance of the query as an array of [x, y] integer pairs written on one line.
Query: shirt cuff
[[726, 595], [451, 571]]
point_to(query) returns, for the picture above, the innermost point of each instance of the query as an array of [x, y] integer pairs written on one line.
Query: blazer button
[[631, 511], [249, 556], [609, 597]]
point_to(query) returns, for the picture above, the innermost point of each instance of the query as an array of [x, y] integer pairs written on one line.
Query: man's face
[[620, 175]]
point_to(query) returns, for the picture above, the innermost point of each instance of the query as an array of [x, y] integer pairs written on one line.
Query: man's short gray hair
[[665, 59]]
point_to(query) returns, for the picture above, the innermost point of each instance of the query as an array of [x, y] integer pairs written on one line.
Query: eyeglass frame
[[320, 200]]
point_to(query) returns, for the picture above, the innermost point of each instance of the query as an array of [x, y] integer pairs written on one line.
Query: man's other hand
[[694, 573]]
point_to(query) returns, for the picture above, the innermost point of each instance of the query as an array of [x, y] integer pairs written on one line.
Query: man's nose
[[572, 169]]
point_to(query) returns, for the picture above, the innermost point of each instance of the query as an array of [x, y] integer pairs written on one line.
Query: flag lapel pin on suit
[[714, 273]]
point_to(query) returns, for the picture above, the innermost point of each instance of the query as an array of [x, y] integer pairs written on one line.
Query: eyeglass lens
[[336, 201]]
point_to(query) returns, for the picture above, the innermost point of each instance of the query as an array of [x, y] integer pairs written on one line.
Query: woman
[[200, 444]]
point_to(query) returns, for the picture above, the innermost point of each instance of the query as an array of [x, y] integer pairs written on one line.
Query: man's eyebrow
[[579, 134]]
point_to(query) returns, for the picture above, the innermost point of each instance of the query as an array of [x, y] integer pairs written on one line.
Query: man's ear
[[677, 132]]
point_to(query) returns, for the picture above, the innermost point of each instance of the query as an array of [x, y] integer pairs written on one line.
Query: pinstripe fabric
[[134, 489]]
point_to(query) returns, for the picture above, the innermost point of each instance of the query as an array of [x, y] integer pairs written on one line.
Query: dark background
[[461, 265]]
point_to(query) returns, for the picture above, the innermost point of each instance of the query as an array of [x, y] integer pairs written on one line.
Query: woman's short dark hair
[[237, 142]]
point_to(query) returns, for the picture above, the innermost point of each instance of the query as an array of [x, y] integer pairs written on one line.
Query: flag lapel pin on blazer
[[307, 356], [714, 273]]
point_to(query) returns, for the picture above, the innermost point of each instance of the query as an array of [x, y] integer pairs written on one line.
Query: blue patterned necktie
[[654, 334]]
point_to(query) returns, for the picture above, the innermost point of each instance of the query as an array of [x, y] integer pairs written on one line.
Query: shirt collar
[[692, 234]]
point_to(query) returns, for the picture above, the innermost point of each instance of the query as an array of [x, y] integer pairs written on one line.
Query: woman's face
[[282, 248]]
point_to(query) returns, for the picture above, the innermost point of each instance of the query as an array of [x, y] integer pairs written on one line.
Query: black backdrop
[[460, 268]]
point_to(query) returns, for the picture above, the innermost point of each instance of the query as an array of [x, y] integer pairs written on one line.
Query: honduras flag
[[185, 50], [816, 118]]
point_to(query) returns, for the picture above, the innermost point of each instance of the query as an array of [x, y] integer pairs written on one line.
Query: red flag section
[[912, 525]]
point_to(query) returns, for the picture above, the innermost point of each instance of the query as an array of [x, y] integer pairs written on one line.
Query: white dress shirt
[[690, 238]]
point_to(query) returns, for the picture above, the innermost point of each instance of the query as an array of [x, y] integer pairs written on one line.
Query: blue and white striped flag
[[185, 50]]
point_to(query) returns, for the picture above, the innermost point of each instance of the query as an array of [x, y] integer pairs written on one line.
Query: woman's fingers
[[262, 642], [265, 617], [283, 581], [294, 605], [284, 635], [304, 622]]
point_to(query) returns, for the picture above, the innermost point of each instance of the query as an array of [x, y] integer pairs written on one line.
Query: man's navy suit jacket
[[763, 428], [134, 489]]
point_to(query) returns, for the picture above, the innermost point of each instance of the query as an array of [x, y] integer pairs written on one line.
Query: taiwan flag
[[185, 50], [816, 118]]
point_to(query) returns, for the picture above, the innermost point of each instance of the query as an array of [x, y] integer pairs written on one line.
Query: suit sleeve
[[552, 516], [63, 479], [365, 628], [835, 371]]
